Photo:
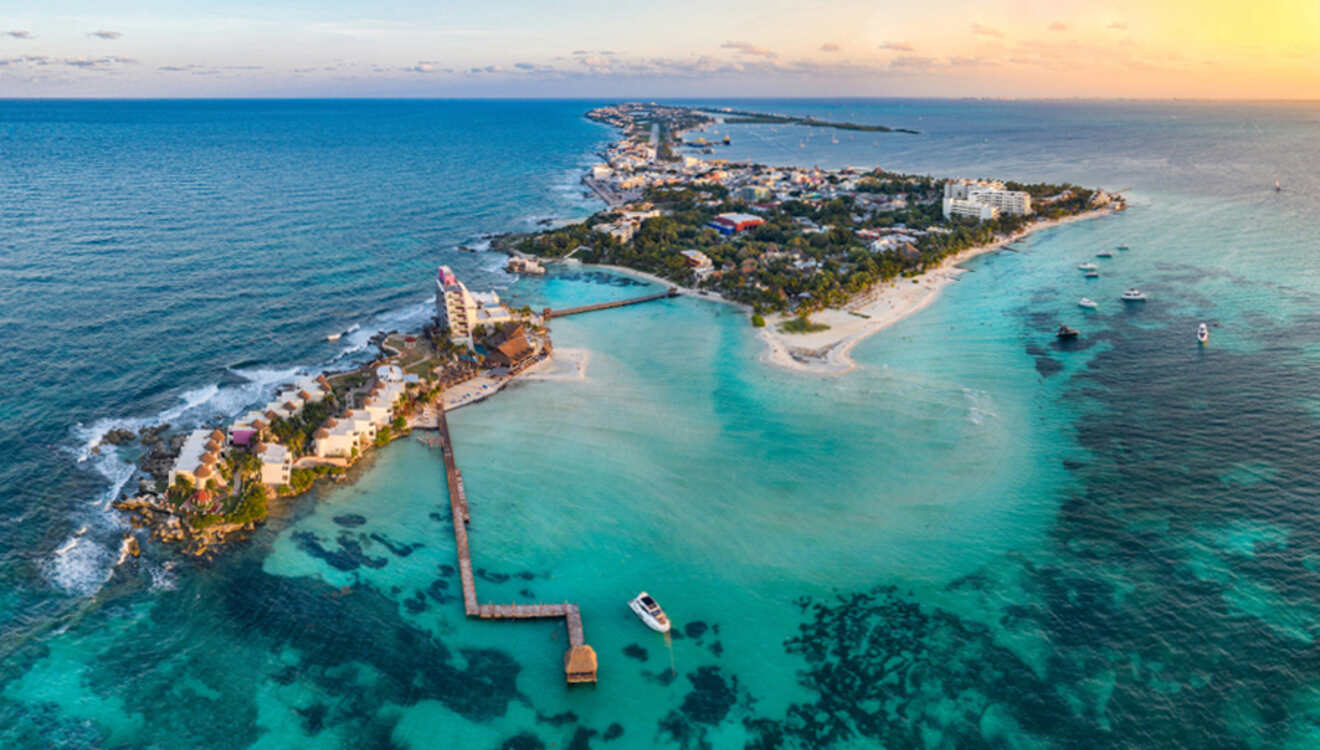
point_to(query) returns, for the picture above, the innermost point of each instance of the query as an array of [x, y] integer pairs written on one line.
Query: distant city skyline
[[941, 48]]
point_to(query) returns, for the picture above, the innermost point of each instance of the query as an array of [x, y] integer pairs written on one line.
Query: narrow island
[[818, 260]]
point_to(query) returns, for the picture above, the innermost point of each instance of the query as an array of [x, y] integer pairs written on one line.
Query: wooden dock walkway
[[548, 313], [580, 659]]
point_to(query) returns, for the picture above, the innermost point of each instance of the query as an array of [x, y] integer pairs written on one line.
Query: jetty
[[547, 313], [580, 659]]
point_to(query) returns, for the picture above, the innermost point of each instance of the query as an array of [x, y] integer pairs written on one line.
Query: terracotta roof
[[212, 446], [257, 424], [323, 433], [208, 458], [202, 472], [217, 435], [270, 414], [331, 422], [202, 496], [304, 395]]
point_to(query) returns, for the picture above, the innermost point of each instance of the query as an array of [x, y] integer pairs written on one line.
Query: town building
[[732, 223]]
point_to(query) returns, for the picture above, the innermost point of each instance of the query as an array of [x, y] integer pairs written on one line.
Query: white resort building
[[973, 198], [198, 458], [276, 464], [461, 311]]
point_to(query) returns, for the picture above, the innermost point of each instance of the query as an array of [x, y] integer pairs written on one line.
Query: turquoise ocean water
[[977, 538]]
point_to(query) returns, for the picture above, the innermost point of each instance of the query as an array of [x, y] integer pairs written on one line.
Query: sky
[[1216, 49]]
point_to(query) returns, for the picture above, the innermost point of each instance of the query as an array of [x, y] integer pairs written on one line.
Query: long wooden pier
[[548, 313], [580, 659]]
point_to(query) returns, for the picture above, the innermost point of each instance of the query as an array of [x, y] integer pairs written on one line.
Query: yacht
[[1133, 295], [1104, 254], [1087, 302], [1202, 333], [1087, 267], [650, 613]]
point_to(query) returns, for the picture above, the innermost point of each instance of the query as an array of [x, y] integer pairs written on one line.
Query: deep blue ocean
[[978, 538]]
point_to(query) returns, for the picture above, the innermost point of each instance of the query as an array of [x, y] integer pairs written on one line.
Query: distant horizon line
[[1218, 100]]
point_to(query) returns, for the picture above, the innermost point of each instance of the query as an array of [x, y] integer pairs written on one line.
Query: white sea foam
[[80, 566], [163, 577]]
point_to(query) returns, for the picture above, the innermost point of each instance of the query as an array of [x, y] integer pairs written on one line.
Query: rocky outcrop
[[119, 436], [164, 523]]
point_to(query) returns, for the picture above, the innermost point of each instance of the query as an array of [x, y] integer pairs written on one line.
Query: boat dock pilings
[[580, 659]]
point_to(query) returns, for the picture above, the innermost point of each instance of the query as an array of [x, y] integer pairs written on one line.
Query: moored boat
[[333, 337], [1133, 295], [1203, 333], [649, 611], [1087, 267], [1087, 302], [1104, 254], [1092, 274]]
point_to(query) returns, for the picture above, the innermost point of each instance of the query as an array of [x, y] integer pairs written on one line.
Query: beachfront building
[[339, 436], [276, 464], [958, 208], [198, 458], [455, 309], [962, 196], [460, 311], [733, 223], [699, 262]]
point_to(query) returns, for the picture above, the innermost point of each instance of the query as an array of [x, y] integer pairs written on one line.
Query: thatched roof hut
[[202, 472], [218, 436], [580, 664]]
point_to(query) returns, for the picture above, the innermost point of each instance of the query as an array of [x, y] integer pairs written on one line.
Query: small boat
[[1277, 187], [1087, 267], [1092, 274], [333, 337], [1133, 295], [1067, 334], [1104, 254], [1202, 333], [650, 613], [1124, 248], [1087, 302]]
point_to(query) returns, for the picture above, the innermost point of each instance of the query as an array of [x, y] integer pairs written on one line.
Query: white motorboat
[[1203, 333], [1087, 302], [650, 613], [1087, 267], [1133, 295], [333, 337], [1104, 254], [1092, 274]]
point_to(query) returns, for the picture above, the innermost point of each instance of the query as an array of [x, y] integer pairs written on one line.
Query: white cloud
[[747, 48], [983, 30]]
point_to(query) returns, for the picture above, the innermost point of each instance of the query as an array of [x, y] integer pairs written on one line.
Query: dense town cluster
[[785, 239]]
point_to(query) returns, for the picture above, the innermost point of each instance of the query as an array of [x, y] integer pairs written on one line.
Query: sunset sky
[[1021, 48]]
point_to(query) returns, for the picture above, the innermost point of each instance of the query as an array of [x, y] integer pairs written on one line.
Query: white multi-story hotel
[[455, 308], [461, 311], [961, 198], [276, 464], [971, 209]]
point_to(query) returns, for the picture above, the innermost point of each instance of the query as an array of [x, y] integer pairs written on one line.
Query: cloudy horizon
[[945, 48]]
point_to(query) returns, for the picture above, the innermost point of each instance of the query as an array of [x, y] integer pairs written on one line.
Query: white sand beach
[[827, 352]]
